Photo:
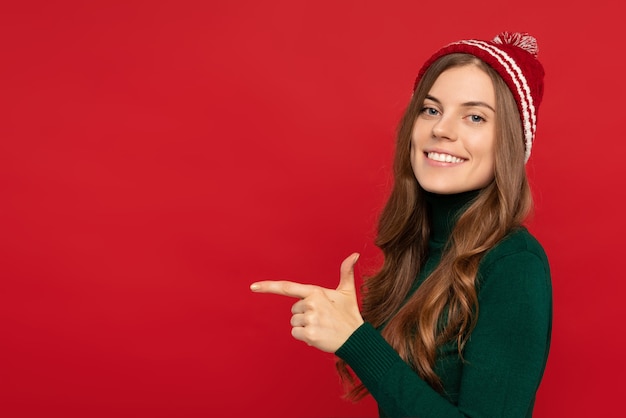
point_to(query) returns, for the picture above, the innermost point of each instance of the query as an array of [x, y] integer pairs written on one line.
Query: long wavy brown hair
[[416, 329]]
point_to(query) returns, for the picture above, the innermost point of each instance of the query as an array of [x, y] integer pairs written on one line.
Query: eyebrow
[[466, 104]]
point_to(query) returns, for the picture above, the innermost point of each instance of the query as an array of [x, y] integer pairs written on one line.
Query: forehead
[[468, 83]]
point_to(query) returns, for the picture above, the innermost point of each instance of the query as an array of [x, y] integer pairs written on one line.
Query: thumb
[[346, 278]]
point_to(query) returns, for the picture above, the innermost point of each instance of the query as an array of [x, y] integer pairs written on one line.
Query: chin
[[446, 189]]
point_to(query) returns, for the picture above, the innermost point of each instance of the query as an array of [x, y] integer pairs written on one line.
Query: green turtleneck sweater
[[505, 357]]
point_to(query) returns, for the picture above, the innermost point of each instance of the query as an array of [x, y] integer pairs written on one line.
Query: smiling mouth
[[444, 158]]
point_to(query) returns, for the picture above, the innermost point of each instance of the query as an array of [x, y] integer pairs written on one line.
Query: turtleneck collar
[[445, 210]]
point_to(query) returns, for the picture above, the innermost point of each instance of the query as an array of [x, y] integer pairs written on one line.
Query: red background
[[156, 157]]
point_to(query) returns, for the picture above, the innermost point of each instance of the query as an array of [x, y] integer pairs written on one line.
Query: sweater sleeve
[[504, 357]]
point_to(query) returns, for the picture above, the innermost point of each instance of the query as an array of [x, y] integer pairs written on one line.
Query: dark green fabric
[[506, 354]]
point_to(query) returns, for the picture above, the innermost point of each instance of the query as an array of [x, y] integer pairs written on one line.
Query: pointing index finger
[[283, 287]]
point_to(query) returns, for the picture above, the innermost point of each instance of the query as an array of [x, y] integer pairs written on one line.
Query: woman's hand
[[323, 318]]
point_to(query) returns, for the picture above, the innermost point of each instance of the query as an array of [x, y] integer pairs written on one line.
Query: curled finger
[[299, 307], [297, 320]]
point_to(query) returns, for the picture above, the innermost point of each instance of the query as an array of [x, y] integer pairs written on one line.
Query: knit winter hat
[[514, 57]]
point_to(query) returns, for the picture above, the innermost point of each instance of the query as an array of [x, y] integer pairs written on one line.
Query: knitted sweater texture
[[505, 357]]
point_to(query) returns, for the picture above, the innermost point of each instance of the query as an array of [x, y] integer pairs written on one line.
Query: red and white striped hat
[[514, 57]]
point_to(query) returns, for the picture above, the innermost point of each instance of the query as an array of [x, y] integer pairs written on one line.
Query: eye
[[429, 111], [476, 118]]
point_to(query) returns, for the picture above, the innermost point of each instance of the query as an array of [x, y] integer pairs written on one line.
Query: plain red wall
[[156, 157]]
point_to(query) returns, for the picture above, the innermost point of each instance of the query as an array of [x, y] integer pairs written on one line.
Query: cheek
[[414, 150], [482, 147], [419, 131], [488, 173], [487, 166]]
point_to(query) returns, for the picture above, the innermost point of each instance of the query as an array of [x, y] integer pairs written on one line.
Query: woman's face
[[453, 138]]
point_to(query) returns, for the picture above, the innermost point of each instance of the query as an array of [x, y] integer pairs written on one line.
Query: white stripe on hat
[[511, 67]]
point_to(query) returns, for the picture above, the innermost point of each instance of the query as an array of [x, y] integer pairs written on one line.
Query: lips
[[443, 158]]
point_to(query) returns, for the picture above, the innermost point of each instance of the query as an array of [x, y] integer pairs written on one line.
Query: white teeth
[[444, 158]]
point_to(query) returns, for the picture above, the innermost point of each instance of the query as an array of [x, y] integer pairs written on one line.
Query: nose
[[444, 129]]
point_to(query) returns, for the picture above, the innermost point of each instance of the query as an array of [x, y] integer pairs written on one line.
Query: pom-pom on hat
[[514, 56]]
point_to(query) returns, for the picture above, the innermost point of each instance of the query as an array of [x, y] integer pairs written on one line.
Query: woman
[[457, 321]]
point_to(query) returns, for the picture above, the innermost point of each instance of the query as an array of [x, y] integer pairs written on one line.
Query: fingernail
[[254, 286], [356, 258]]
